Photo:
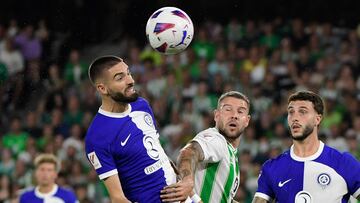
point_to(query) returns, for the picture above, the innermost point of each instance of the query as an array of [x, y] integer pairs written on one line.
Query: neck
[[113, 106], [46, 188], [307, 147], [234, 142]]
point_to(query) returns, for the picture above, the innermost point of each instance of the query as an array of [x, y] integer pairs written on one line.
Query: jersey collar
[[44, 195], [115, 115], [309, 158]]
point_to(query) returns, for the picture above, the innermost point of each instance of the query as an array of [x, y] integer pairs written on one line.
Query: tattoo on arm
[[189, 156], [358, 197]]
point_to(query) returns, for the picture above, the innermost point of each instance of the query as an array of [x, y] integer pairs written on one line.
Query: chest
[[309, 181]]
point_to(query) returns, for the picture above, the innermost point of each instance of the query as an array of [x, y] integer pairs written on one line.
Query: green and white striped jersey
[[217, 177]]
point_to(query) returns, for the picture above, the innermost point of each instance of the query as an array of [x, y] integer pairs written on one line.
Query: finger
[[174, 199], [170, 197], [168, 190], [171, 186]]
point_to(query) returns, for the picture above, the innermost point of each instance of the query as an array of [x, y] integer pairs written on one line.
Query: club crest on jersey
[[148, 120], [324, 179]]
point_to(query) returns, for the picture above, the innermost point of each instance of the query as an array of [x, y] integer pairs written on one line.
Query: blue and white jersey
[[128, 144], [327, 176], [57, 195]]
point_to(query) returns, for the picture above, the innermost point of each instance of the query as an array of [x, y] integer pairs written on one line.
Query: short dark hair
[[309, 96], [235, 94], [100, 64]]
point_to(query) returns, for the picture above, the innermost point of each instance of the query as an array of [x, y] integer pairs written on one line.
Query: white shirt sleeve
[[213, 145]]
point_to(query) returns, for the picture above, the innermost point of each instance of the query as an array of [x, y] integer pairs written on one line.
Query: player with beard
[[310, 171], [122, 142], [208, 165]]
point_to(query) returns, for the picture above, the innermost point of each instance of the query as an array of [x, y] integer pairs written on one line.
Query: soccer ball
[[169, 30]]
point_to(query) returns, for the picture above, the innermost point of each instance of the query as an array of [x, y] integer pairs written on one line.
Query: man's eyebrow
[[301, 107], [121, 74], [229, 105]]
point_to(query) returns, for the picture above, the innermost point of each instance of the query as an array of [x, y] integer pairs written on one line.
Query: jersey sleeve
[[100, 157], [73, 198], [351, 172], [22, 199], [213, 146], [264, 184]]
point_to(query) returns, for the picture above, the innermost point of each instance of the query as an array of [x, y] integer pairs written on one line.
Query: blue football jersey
[[57, 195], [127, 144], [327, 176]]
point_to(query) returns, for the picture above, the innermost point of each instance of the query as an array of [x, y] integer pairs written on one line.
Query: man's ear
[[216, 114], [318, 119], [101, 88]]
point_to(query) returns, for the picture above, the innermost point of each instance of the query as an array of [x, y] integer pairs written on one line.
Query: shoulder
[[67, 192], [210, 135], [278, 161], [100, 130], [25, 193], [140, 104], [341, 157], [140, 100]]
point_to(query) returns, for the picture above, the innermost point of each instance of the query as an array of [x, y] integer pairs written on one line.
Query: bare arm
[[114, 188], [358, 197], [259, 200], [189, 156]]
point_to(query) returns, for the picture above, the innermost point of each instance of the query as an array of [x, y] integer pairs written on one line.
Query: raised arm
[[114, 188], [189, 156]]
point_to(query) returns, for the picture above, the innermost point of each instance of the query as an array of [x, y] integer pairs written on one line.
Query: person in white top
[[208, 165]]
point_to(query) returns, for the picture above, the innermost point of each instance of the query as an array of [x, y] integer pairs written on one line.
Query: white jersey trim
[[357, 193], [264, 196], [108, 174], [115, 115], [44, 195], [309, 158]]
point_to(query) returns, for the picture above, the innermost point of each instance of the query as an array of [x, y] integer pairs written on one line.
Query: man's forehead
[[300, 104], [234, 102], [120, 67]]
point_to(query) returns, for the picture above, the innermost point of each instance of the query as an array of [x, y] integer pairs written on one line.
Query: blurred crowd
[[47, 101]]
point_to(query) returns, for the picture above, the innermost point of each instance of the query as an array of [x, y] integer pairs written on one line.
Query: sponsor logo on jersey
[[281, 184], [155, 166], [94, 160], [235, 186], [123, 143]]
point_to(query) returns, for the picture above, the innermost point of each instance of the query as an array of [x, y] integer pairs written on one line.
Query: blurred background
[[265, 49]]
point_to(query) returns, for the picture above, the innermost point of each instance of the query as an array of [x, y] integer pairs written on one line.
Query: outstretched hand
[[179, 191]]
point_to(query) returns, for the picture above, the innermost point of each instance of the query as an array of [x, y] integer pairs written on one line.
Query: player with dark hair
[[310, 171], [122, 142]]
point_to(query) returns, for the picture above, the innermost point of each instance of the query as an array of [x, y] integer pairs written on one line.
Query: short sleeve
[[73, 198], [213, 146], [351, 172], [264, 185], [101, 158]]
